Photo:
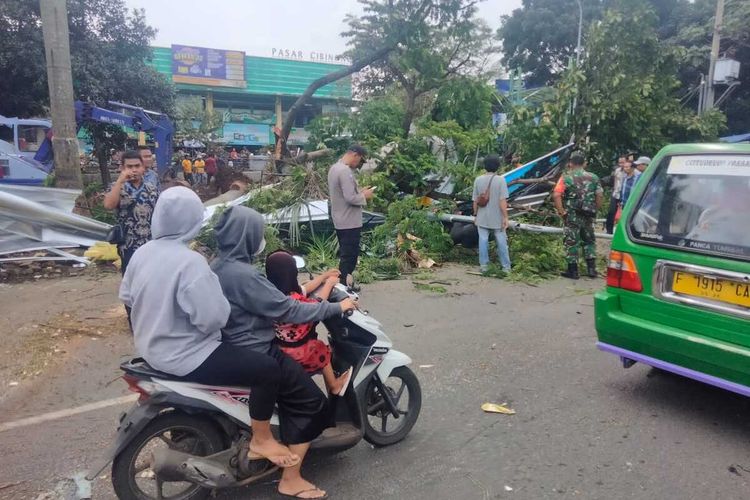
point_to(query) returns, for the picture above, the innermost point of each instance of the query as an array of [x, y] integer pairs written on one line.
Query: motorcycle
[[181, 440]]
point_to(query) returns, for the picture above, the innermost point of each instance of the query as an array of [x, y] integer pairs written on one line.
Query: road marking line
[[56, 415]]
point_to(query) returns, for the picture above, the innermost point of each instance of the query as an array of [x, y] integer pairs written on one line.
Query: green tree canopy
[[468, 101], [449, 42], [625, 89], [540, 40], [540, 37], [109, 48]]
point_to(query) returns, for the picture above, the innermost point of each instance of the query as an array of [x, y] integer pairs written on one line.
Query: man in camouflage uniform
[[577, 196]]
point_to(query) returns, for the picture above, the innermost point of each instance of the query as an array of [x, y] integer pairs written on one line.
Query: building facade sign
[[308, 55], [247, 134], [202, 66]]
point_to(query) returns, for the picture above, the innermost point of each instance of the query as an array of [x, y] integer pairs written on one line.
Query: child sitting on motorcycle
[[299, 341]]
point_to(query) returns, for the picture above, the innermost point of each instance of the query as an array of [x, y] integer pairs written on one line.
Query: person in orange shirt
[[187, 169], [199, 166]]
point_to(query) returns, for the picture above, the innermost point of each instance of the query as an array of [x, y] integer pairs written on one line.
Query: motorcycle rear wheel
[[187, 433], [401, 382]]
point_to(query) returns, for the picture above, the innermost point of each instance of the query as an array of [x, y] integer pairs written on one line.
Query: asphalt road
[[585, 428]]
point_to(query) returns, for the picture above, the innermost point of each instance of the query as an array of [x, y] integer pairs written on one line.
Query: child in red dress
[[300, 342]]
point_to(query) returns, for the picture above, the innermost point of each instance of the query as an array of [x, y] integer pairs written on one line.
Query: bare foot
[[272, 450], [340, 382], [300, 488]]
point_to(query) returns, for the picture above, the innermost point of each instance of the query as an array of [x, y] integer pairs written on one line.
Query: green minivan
[[678, 278]]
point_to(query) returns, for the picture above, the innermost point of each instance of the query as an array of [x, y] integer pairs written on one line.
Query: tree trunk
[[60, 84], [101, 156], [409, 111], [322, 82]]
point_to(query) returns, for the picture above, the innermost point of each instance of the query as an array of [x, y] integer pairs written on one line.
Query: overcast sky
[[257, 27]]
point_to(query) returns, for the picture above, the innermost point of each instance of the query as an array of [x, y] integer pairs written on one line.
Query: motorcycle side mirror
[[299, 262]]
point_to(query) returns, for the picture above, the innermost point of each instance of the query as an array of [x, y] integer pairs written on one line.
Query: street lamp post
[[580, 26], [708, 102], [578, 52]]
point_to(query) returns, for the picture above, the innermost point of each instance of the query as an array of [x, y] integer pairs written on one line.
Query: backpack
[[582, 201], [484, 198]]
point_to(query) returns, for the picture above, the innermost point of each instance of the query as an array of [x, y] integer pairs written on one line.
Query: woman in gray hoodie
[[178, 311], [255, 305]]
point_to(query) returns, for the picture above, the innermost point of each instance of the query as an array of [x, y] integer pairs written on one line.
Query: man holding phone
[[133, 200], [346, 202]]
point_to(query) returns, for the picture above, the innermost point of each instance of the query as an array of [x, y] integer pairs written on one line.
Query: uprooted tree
[[384, 27]]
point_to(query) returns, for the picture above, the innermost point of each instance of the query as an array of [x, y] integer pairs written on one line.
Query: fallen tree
[[384, 27], [283, 136]]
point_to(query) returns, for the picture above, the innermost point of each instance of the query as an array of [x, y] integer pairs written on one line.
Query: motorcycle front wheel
[[132, 477], [381, 427]]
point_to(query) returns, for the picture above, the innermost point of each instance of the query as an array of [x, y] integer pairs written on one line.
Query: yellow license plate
[[722, 290]]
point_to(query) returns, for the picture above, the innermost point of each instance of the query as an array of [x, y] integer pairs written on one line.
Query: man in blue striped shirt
[[631, 177]]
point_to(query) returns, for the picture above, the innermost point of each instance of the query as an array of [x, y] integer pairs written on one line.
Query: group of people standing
[[624, 176], [578, 195], [200, 170]]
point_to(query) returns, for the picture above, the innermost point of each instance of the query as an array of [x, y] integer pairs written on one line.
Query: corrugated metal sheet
[[268, 76]]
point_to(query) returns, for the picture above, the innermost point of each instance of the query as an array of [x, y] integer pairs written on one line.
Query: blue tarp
[[736, 138]]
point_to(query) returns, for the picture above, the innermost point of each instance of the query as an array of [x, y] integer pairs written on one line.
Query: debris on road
[[496, 408], [40, 218], [102, 251], [5, 486]]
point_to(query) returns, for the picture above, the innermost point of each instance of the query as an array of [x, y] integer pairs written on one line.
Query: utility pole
[[708, 102], [60, 80]]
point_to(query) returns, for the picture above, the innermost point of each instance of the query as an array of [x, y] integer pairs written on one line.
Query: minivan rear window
[[699, 203]]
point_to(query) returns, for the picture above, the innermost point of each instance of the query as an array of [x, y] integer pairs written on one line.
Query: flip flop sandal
[[297, 495]]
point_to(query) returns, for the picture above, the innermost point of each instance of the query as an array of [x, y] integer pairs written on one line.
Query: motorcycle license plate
[[720, 290]]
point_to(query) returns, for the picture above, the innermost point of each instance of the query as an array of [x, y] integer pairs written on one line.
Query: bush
[[535, 256], [321, 252], [408, 164], [408, 217], [371, 269]]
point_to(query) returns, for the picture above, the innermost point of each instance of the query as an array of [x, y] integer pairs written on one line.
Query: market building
[[253, 93]]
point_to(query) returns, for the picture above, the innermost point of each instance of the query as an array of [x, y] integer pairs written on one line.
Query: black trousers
[[241, 366], [348, 250], [274, 378], [610, 222], [125, 255], [303, 408]]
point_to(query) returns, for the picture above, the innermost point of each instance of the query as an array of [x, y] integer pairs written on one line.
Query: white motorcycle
[[181, 439]]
